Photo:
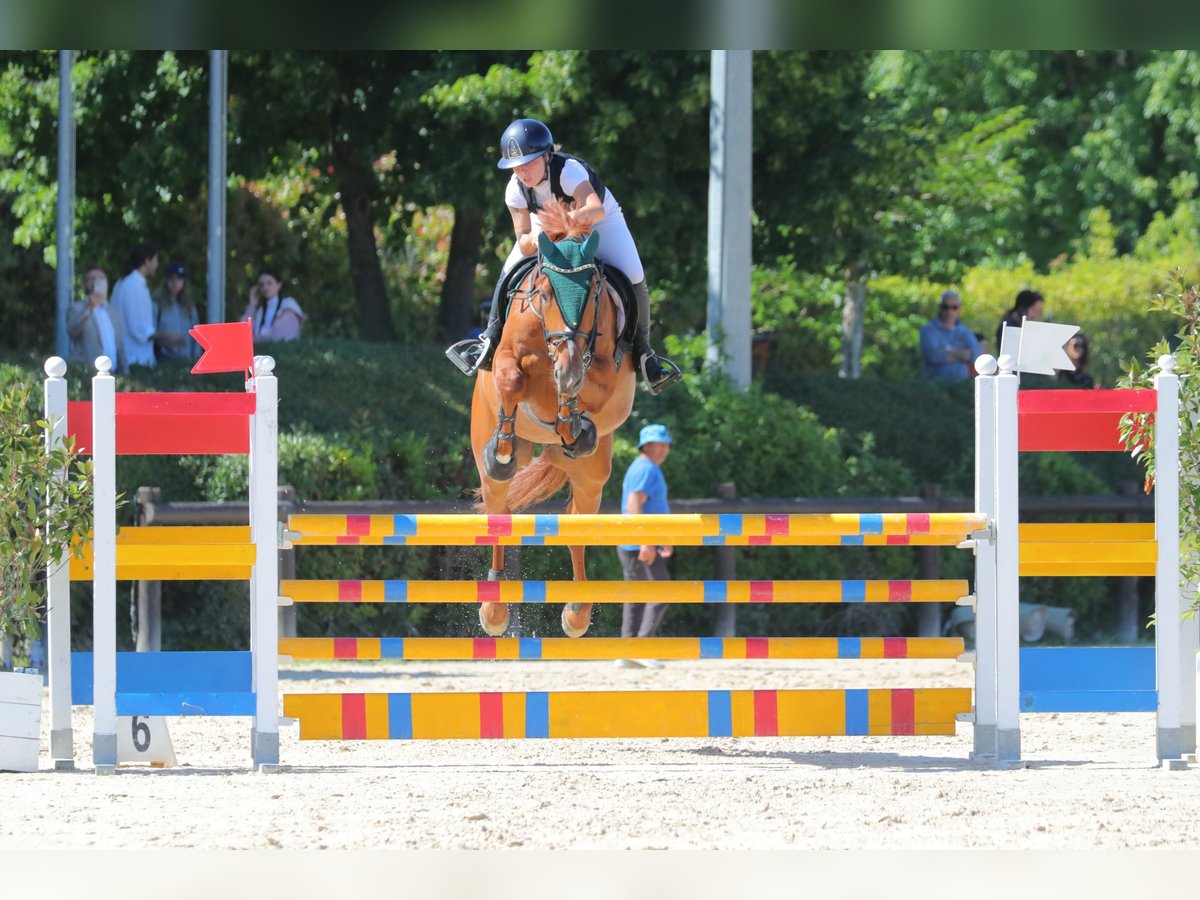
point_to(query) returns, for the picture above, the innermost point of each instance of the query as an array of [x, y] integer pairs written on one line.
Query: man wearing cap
[[948, 347], [644, 491]]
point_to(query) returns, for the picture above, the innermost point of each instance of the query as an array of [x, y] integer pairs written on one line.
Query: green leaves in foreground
[[42, 513]]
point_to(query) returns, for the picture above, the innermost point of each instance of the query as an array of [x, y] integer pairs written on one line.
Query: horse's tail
[[536, 482]]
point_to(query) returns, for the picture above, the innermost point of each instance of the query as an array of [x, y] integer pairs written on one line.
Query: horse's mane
[[558, 225]]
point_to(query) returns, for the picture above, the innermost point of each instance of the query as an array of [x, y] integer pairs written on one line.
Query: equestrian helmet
[[522, 141]]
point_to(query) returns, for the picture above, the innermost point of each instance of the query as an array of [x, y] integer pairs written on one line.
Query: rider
[[541, 172]]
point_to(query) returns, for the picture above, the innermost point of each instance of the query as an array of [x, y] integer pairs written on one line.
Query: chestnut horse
[[557, 381]]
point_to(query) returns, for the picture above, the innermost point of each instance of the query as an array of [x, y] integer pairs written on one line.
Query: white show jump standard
[[264, 584], [997, 708]]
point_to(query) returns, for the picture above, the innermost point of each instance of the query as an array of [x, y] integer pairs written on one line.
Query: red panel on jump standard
[[1077, 420], [175, 423]]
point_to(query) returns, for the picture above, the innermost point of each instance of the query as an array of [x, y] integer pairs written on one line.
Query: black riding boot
[[490, 339], [648, 364], [472, 355]]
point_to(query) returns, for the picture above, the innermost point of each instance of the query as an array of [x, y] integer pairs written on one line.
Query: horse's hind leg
[[587, 483], [493, 617]]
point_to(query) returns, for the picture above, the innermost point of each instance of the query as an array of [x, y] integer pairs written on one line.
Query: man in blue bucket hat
[[644, 491]]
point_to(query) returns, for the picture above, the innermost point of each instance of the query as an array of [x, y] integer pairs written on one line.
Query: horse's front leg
[[500, 453]]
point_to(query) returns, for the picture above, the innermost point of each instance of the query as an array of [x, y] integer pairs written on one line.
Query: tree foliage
[[369, 178]]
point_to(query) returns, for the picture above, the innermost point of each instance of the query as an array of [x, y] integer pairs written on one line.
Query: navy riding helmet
[[522, 141]]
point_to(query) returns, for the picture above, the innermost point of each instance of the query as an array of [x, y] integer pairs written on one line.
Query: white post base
[[1008, 744], [62, 749], [266, 748], [1169, 743], [985, 743], [104, 753]]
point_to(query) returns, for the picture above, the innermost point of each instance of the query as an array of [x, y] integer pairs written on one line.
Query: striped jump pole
[[351, 591], [850, 529], [620, 648]]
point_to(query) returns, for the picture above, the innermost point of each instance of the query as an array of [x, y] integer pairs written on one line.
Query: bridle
[[568, 422], [555, 339]]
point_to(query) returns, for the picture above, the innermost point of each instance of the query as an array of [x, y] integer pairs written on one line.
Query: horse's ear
[[547, 246], [590, 245]]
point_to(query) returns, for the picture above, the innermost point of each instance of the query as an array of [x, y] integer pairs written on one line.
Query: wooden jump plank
[[354, 591], [184, 534], [1105, 552], [1056, 402], [620, 648], [156, 433], [627, 714], [81, 570], [1096, 569], [1049, 532], [467, 528]]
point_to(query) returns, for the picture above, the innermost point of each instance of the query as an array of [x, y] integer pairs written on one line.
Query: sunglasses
[[948, 306]]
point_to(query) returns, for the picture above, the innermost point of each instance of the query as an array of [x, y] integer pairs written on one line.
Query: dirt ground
[[1091, 780]]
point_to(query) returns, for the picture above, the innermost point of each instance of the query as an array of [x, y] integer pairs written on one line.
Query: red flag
[[228, 347]]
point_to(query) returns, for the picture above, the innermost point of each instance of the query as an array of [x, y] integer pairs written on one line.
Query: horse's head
[[569, 276]]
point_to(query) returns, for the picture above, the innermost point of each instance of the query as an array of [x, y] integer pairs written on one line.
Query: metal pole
[[218, 68], [65, 209], [730, 132]]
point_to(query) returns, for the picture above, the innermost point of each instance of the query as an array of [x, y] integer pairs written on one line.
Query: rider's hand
[[666, 552], [647, 553]]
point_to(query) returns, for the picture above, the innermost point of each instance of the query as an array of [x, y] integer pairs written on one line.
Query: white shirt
[[108, 336], [617, 246], [573, 175], [132, 299]]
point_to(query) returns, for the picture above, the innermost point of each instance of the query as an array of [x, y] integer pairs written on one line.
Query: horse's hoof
[[493, 468], [585, 443], [493, 617], [576, 619]]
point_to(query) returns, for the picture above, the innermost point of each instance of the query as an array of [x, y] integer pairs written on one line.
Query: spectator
[[644, 491], [94, 324], [275, 318], [132, 299], [174, 316], [1029, 305], [948, 348], [1077, 350]]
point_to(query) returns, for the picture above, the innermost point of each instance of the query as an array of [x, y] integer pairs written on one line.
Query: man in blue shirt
[[948, 348], [644, 491]]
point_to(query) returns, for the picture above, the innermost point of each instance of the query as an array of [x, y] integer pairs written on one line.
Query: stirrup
[[671, 373], [467, 355]]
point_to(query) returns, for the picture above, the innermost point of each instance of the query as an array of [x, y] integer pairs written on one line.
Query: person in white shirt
[[132, 299], [94, 325], [275, 318]]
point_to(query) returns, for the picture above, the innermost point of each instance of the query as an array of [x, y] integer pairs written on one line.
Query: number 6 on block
[[145, 741]]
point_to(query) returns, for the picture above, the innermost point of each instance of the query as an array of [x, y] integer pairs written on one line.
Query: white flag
[[1039, 346]]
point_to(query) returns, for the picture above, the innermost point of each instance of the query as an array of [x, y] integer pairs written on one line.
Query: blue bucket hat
[[652, 433]]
